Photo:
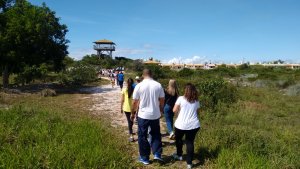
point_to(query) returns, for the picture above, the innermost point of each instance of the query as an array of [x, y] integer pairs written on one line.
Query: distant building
[[152, 62]]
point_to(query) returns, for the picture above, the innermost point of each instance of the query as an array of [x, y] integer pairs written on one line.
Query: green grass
[[38, 138], [261, 130]]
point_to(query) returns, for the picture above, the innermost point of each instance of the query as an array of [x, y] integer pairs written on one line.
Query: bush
[[212, 92], [81, 74], [157, 71], [31, 73], [185, 72]]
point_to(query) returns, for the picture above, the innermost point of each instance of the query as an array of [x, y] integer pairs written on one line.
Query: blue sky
[[184, 30]]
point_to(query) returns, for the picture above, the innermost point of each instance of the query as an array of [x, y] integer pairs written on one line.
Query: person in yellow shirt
[[126, 105]]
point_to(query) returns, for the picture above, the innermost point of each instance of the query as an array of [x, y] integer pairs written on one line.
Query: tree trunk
[[5, 76]]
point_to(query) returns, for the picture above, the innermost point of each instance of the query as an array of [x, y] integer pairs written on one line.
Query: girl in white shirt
[[187, 122]]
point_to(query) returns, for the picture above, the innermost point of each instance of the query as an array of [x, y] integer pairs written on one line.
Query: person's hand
[[132, 117]]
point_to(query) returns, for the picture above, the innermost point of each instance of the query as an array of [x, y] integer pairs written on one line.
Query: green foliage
[[31, 73], [31, 35], [63, 78], [81, 74], [185, 72], [226, 72], [244, 66], [212, 92], [39, 138], [157, 71], [68, 62]]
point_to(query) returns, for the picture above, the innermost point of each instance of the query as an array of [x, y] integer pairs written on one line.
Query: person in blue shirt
[[121, 79]]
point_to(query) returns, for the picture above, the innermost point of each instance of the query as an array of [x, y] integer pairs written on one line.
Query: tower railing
[[109, 48]]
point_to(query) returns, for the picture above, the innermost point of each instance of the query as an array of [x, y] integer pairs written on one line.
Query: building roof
[[104, 41], [151, 62]]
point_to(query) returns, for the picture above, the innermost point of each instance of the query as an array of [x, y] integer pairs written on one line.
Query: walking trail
[[107, 101]]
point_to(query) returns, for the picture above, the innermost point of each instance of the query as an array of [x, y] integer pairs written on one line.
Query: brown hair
[[190, 93], [172, 88], [130, 87]]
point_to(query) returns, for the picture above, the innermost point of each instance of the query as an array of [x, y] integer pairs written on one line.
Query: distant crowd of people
[[145, 101]]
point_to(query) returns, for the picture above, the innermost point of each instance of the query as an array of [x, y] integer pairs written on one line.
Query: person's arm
[[161, 104], [135, 102], [161, 99], [176, 108], [135, 105], [122, 102]]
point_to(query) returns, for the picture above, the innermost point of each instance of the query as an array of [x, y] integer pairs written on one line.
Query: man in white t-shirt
[[148, 97]]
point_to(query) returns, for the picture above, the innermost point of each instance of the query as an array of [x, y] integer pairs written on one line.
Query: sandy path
[[108, 102]]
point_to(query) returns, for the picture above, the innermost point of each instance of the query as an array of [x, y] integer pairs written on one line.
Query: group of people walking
[[148, 101], [117, 78]]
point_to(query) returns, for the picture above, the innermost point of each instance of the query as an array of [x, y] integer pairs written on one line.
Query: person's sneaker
[[172, 136], [189, 166], [177, 157], [131, 139], [145, 162], [158, 157]]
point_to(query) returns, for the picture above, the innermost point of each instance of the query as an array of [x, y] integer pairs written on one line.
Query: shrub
[[31, 73], [157, 71], [215, 91], [81, 74], [63, 78], [185, 72]]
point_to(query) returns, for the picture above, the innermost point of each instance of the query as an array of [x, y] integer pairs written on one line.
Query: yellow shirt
[[127, 101]]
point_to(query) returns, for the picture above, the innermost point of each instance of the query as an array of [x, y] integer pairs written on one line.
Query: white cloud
[[192, 60]]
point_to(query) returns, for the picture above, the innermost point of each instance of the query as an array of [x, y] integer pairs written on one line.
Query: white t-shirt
[[188, 116], [148, 93]]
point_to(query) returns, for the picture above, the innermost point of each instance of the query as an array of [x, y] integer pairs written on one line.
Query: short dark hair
[[147, 72], [190, 93]]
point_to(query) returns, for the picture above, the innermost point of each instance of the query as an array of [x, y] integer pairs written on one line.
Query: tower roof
[[104, 41]]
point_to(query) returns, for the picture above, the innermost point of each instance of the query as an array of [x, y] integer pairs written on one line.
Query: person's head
[[172, 88], [190, 93], [137, 79], [147, 73], [130, 87]]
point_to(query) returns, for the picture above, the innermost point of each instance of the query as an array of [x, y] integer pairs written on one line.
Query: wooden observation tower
[[104, 46]]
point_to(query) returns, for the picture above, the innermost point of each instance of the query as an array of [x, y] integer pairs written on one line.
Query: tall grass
[[38, 138], [261, 130]]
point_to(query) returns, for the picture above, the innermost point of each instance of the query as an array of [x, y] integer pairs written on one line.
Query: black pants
[[189, 140], [130, 123], [121, 84]]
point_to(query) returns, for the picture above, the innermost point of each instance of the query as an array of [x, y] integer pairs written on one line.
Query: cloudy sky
[[190, 31]]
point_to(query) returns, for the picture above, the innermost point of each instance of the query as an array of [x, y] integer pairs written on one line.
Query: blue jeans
[[144, 145], [169, 114]]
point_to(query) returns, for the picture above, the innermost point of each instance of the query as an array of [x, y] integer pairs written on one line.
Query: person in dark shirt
[[171, 95]]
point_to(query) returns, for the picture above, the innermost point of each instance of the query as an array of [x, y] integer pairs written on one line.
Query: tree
[[31, 35]]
